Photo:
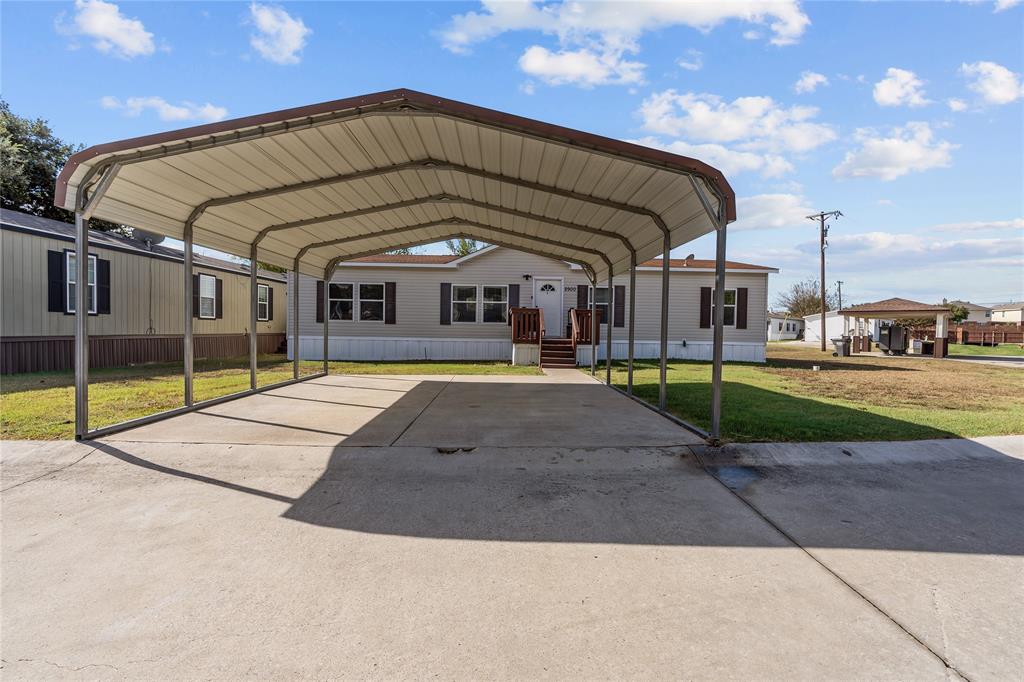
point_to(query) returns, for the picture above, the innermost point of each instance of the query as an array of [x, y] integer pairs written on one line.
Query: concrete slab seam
[[50, 473], [420, 413]]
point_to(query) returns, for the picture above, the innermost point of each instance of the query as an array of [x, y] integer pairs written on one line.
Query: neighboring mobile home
[[783, 327], [136, 311], [834, 327], [409, 307]]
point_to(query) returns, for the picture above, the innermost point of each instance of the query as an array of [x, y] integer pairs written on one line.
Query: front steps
[[557, 353]]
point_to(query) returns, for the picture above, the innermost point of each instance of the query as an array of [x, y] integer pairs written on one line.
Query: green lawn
[[1004, 349], [857, 398], [41, 406]]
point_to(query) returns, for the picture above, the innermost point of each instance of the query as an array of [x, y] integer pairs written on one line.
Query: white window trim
[[69, 305], [592, 293], [734, 306], [214, 297], [331, 299], [357, 312], [265, 317], [481, 302], [476, 304]]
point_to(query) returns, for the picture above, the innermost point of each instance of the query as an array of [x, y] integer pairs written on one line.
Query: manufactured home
[[136, 311], [409, 307], [784, 327]]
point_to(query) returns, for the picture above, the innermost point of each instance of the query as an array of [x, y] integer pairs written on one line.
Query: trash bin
[[842, 346]]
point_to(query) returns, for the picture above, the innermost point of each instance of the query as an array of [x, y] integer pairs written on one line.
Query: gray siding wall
[[418, 299], [146, 294]]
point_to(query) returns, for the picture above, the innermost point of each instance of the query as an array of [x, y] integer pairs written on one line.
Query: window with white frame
[[262, 302], [371, 302], [463, 303], [72, 279], [207, 297], [340, 301], [495, 303], [601, 303], [729, 319]]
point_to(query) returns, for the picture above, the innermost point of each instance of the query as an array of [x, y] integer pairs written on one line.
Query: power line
[[820, 217]]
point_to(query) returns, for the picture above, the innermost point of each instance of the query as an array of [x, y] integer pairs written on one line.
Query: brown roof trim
[[425, 101]]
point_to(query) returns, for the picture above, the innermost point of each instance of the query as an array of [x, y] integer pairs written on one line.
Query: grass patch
[[856, 398], [41, 406], [1003, 349]]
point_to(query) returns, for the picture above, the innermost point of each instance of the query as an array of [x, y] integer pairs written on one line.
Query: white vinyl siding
[[71, 280], [207, 297]]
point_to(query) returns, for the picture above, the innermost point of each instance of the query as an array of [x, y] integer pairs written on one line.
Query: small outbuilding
[[857, 316]]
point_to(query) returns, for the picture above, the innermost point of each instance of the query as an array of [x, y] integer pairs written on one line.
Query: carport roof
[[351, 177]]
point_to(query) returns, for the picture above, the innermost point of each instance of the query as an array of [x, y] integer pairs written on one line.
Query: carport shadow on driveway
[[543, 469]]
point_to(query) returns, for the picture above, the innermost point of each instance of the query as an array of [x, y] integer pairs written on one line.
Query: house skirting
[[370, 349], [20, 354]]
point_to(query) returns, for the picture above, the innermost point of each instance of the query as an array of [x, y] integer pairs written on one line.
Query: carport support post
[[327, 309], [593, 326], [253, 315], [719, 323], [187, 349], [608, 341], [663, 375], [295, 329], [81, 325], [632, 322]]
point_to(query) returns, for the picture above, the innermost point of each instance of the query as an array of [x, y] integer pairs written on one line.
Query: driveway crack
[[49, 473]]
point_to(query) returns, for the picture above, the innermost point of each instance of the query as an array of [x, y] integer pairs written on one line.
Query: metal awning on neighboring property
[[365, 174], [310, 187]]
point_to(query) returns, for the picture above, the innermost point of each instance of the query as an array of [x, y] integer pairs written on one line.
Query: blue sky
[[908, 116]]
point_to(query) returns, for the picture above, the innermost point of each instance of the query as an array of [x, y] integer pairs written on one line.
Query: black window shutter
[[705, 307], [319, 300], [619, 316], [56, 281], [195, 295], [513, 295], [581, 296], [219, 298], [741, 308], [270, 302], [102, 286], [390, 305], [446, 302]]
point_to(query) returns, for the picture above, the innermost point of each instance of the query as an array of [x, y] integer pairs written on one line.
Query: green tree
[[31, 156], [464, 247], [804, 298], [958, 313]]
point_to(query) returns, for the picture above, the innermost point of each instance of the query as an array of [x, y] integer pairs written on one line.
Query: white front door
[[547, 295]]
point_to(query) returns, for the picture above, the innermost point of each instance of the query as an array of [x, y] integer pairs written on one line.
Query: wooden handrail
[[581, 326], [527, 325]]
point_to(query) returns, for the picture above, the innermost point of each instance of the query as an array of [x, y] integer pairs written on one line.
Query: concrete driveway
[[574, 534]]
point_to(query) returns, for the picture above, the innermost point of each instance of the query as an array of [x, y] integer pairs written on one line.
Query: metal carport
[[309, 187]]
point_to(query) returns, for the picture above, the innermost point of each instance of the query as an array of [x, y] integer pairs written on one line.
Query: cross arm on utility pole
[[820, 218]]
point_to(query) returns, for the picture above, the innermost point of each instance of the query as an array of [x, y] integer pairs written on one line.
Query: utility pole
[[820, 217], [839, 283]]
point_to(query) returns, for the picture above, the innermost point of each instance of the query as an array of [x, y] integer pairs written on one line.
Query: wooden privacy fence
[[527, 324], [977, 334], [20, 354]]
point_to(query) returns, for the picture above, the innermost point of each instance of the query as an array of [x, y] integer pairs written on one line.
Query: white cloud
[[279, 36], [885, 202], [900, 87], [595, 37], [755, 123], [111, 31], [994, 83], [875, 250], [907, 149], [581, 67], [981, 225], [956, 104], [527, 87], [751, 35], [729, 161], [771, 211], [184, 111], [809, 82], [1002, 5], [693, 61]]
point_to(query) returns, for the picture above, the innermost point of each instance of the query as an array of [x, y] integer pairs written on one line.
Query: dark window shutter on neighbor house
[[195, 295], [705, 307], [102, 287], [390, 304], [446, 302], [619, 316], [55, 278], [270, 303], [320, 301], [581, 296], [741, 308], [219, 300]]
